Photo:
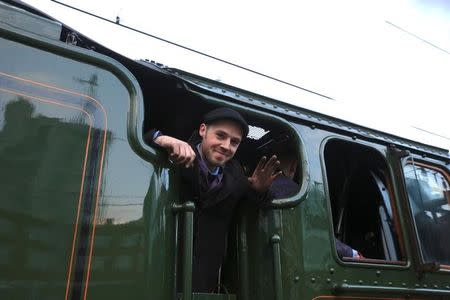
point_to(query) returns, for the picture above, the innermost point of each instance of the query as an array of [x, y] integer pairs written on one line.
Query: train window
[[429, 199], [266, 136], [364, 213]]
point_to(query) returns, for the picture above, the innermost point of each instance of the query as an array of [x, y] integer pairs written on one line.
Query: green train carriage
[[88, 211]]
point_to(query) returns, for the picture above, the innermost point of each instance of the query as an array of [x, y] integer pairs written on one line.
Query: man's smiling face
[[220, 140]]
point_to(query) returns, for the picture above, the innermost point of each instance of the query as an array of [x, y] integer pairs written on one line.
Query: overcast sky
[[385, 63]]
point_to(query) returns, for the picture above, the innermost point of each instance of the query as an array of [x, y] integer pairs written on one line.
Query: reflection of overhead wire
[[431, 132], [417, 37], [117, 22]]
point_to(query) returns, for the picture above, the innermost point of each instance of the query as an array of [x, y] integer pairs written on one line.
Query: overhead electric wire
[[430, 132], [192, 50], [417, 37]]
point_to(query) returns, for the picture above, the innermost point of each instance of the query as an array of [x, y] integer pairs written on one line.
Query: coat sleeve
[[343, 250], [249, 195], [149, 138]]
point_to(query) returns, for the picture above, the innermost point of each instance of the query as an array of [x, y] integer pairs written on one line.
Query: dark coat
[[343, 250], [213, 214], [212, 217], [283, 187]]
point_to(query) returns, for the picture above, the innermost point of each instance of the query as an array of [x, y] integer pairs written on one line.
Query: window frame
[[390, 183], [437, 166]]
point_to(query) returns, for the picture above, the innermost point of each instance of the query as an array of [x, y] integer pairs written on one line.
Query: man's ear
[[202, 130]]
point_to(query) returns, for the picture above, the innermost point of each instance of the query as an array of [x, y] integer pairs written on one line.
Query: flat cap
[[225, 113]]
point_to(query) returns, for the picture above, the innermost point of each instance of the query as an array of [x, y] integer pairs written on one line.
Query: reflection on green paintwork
[[41, 160], [42, 152]]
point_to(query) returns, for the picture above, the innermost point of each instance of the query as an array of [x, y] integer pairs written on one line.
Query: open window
[[363, 210], [428, 192], [178, 112]]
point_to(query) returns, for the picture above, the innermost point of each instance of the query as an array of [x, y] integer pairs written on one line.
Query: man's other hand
[[264, 174], [179, 151]]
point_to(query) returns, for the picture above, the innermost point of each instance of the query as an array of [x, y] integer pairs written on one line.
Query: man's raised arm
[[179, 151]]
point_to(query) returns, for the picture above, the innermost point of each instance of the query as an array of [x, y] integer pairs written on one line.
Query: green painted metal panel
[[21, 19], [42, 157], [85, 210]]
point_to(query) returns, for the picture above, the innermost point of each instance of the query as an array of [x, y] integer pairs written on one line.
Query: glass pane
[[428, 192]]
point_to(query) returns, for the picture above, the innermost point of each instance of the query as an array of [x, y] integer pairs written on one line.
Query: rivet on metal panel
[[224, 91], [425, 285], [390, 283], [354, 137], [331, 270], [328, 280], [313, 279], [435, 286], [313, 126], [344, 281], [275, 106], [296, 278], [403, 284], [360, 281], [424, 155], [375, 282], [378, 273], [417, 285]]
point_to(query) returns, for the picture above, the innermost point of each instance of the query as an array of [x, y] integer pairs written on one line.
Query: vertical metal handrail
[[188, 230], [175, 257], [275, 240], [243, 260]]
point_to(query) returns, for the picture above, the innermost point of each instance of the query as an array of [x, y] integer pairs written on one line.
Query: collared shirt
[[213, 177]]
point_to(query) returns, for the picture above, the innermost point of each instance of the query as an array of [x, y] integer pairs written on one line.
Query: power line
[[430, 132], [417, 37], [117, 22]]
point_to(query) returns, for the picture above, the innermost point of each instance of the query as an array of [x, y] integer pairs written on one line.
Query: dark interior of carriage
[[364, 214]]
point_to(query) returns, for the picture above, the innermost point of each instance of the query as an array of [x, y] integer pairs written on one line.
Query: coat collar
[[214, 196]]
